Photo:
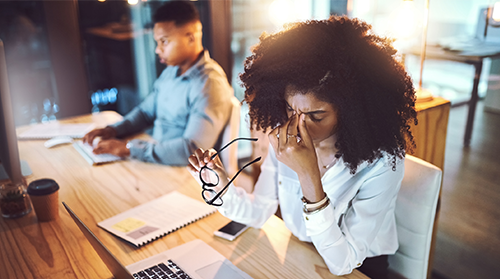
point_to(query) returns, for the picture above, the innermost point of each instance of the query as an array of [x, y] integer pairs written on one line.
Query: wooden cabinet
[[430, 133], [430, 138]]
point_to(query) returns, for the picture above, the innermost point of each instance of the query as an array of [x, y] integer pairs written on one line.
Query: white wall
[[446, 17]]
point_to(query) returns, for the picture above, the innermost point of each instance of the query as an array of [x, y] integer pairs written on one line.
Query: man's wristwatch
[[129, 145]]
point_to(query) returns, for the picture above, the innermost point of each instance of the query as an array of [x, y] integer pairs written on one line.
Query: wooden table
[[57, 249], [473, 55]]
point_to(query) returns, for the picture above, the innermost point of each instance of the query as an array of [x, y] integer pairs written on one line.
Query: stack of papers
[[470, 46]]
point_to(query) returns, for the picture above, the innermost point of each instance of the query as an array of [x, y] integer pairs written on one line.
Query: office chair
[[415, 213], [229, 157]]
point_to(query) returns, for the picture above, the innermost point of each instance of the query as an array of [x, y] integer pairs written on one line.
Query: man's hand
[[104, 133], [112, 146]]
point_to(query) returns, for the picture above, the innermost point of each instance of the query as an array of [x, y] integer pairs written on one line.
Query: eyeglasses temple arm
[[232, 179], [229, 143]]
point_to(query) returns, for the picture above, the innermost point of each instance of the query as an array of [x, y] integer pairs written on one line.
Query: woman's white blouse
[[358, 223]]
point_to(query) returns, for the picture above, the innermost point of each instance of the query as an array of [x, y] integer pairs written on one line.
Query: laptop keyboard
[[168, 270]]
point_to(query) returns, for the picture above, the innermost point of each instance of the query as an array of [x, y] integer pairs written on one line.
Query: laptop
[[194, 259]]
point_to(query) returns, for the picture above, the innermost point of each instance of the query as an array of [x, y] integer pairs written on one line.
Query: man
[[191, 100]]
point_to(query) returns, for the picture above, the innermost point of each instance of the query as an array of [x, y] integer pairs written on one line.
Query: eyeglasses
[[210, 195]]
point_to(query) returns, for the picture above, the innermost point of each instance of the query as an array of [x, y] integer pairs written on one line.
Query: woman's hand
[[201, 158], [294, 147]]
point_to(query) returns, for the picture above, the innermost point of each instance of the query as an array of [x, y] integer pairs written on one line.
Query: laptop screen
[[116, 268]]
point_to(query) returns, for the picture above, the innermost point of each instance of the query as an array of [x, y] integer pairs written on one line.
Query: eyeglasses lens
[[209, 195], [209, 177]]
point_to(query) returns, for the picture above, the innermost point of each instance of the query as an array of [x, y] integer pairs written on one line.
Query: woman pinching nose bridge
[[337, 106]]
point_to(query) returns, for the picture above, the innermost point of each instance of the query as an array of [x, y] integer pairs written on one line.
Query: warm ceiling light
[[496, 12], [133, 2], [405, 21], [280, 12]]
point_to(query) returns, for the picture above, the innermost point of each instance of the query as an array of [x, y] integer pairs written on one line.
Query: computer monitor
[[11, 166]]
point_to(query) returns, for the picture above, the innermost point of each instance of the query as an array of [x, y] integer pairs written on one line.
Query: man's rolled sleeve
[[173, 152], [138, 119]]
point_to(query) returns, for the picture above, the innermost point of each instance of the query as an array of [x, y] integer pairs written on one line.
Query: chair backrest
[[415, 213], [229, 156]]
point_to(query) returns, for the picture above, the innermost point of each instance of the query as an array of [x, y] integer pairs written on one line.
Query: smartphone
[[231, 230]]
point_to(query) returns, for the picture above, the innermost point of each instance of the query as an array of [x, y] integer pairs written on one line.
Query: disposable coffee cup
[[44, 194]]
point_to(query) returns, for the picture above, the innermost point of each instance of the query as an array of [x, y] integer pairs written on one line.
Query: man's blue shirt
[[186, 111]]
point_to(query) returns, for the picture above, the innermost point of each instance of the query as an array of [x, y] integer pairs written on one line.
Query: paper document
[[56, 129]]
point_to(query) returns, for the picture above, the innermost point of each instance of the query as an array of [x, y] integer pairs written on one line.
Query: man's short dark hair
[[180, 12]]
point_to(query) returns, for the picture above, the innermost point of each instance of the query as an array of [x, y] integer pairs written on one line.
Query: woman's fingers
[[273, 138], [201, 157], [302, 129], [207, 158], [277, 137], [286, 133], [205, 169], [292, 129], [197, 158]]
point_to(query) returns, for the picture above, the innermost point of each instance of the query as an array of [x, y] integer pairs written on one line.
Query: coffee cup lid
[[42, 187]]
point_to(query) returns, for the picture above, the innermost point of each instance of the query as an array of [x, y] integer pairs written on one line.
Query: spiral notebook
[[154, 219]]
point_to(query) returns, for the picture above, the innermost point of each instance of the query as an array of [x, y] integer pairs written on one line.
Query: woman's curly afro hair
[[341, 62]]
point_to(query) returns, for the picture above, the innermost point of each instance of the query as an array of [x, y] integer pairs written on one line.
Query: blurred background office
[[72, 57], [67, 56], [106, 49]]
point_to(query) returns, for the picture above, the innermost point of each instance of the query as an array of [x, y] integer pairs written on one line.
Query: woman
[[339, 106]]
